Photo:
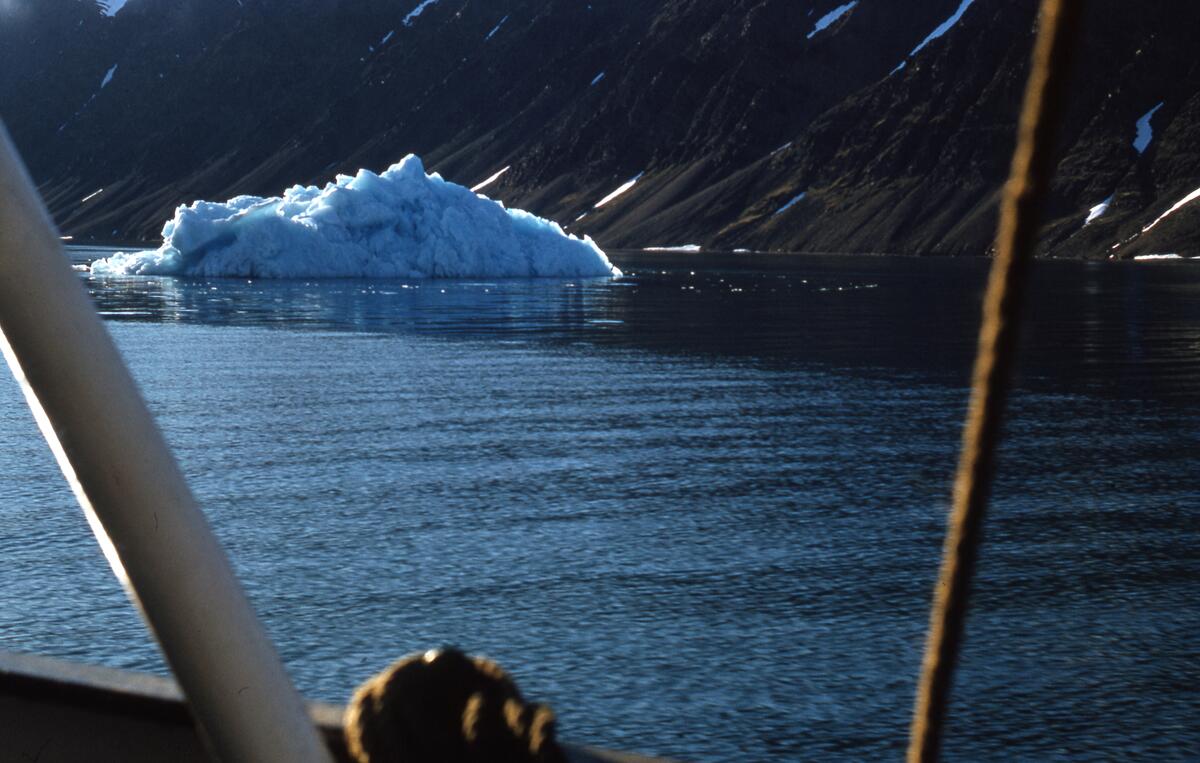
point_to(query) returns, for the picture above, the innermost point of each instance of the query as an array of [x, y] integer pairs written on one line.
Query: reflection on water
[[1101, 325], [697, 509]]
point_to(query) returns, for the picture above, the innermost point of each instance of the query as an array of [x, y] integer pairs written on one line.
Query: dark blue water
[[697, 510]]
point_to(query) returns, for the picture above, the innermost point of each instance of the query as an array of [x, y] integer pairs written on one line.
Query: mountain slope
[[769, 124]]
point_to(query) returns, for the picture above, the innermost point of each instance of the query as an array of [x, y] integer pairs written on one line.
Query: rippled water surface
[[698, 509]]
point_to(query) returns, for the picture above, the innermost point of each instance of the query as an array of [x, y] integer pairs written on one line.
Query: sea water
[[698, 509]]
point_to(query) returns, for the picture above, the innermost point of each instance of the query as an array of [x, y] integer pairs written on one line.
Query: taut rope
[[1028, 183]]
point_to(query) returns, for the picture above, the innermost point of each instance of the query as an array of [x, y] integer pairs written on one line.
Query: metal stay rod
[[134, 495]]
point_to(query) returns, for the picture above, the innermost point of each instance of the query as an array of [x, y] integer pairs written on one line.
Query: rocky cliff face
[[799, 125]]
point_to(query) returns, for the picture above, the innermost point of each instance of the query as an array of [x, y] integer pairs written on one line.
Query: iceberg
[[402, 223]]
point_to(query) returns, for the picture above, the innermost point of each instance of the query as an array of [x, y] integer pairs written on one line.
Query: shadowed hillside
[[765, 124]]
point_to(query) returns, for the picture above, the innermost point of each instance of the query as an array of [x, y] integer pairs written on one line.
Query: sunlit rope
[[1027, 186], [446, 707]]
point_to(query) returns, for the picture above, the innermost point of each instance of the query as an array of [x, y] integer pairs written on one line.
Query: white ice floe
[[597, 78], [831, 17], [111, 7], [495, 29], [108, 76], [795, 200], [412, 15], [484, 184], [1185, 200], [1098, 210], [683, 248], [620, 190], [938, 31], [1145, 133], [399, 224]]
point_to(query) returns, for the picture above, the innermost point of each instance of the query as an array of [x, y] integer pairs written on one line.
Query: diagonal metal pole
[[134, 495]]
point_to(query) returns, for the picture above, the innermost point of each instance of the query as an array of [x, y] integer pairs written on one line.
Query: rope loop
[[446, 707]]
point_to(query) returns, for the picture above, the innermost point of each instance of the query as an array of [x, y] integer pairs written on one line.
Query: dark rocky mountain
[[726, 110]]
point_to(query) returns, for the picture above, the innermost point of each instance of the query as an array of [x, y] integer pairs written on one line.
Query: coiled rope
[[1027, 187], [447, 707]]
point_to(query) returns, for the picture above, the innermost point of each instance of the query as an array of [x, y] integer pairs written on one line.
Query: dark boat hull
[[55, 711]]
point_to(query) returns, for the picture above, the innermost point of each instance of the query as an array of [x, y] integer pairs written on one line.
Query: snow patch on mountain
[[937, 32], [402, 223], [1098, 211], [795, 200], [111, 7], [480, 186], [825, 21], [944, 27], [495, 29], [1182, 202], [620, 190], [108, 75], [412, 15], [1145, 133]]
